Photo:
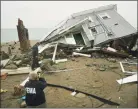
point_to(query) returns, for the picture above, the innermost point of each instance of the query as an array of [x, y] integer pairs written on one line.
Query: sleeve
[[43, 83], [26, 84]]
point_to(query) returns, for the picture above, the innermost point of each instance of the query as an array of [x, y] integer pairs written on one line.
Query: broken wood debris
[[80, 54], [111, 49], [128, 79], [86, 45], [117, 54], [23, 70], [127, 72]]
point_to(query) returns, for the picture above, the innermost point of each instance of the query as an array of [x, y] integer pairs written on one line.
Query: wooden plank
[[80, 54], [129, 79], [122, 68], [19, 72], [23, 70], [54, 54]]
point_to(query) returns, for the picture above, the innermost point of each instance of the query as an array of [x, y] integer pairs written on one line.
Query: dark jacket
[[35, 51], [34, 92]]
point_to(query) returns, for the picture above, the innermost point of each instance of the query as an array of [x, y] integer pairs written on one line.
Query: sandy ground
[[89, 79]]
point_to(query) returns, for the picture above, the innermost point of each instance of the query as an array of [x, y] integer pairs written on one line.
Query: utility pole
[[23, 36]]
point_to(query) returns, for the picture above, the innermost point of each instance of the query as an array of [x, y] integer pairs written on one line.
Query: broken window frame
[[98, 32]]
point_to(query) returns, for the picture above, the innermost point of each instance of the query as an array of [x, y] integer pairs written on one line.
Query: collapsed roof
[[104, 21]]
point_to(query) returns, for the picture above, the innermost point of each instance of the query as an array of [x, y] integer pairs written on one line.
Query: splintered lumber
[[23, 70], [80, 54], [129, 79]]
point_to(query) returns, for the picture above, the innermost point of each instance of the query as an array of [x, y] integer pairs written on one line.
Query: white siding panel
[[87, 31]]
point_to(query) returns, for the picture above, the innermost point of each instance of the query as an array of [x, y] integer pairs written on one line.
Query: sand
[[89, 79]]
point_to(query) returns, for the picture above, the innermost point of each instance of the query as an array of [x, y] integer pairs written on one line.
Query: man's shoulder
[[26, 84]]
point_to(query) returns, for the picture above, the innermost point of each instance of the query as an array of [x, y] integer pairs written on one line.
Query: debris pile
[[4, 55], [73, 40]]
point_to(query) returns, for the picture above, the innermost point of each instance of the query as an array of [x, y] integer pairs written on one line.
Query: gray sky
[[47, 14]]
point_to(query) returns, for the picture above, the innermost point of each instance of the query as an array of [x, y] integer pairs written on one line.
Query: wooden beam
[[80, 54], [54, 54]]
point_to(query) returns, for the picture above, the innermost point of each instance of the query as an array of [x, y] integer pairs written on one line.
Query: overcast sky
[[47, 14]]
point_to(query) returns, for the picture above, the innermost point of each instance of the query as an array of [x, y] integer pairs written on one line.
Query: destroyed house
[[91, 28]]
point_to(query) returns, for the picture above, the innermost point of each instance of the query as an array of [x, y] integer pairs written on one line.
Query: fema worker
[[35, 97], [35, 63]]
